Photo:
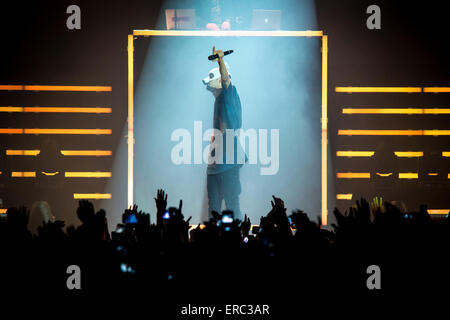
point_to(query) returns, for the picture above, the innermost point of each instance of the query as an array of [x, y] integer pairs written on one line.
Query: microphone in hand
[[216, 56]]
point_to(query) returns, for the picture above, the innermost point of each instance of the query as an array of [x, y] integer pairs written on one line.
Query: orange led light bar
[[56, 109], [232, 33], [446, 153], [382, 111], [436, 132], [96, 153], [51, 174], [436, 89], [433, 174], [355, 153], [68, 131], [384, 174], [55, 131], [408, 154], [395, 111], [408, 175], [92, 195], [351, 175], [68, 109], [3, 210], [436, 111], [393, 132], [10, 152], [27, 174], [344, 196], [11, 109], [92, 174], [378, 89], [55, 88], [438, 211], [380, 132], [11, 131]]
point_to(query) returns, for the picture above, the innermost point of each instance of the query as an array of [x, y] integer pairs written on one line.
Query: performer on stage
[[223, 178]]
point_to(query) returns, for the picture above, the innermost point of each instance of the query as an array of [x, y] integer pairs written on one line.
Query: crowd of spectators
[[283, 252]]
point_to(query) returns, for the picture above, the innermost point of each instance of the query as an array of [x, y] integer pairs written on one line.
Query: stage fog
[[279, 84]]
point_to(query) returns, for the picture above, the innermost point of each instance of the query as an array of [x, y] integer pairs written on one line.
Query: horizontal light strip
[[384, 174], [446, 153], [96, 153], [436, 132], [55, 131], [436, 89], [380, 132], [3, 210], [378, 89], [27, 174], [68, 174], [10, 152], [355, 153], [11, 109], [11, 131], [56, 109], [393, 132], [92, 195], [344, 196], [92, 174], [408, 154], [50, 173], [68, 109], [235, 33], [68, 131], [438, 211], [395, 111], [434, 174], [55, 88], [408, 175], [351, 175]]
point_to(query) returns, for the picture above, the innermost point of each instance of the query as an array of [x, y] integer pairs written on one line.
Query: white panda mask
[[215, 74]]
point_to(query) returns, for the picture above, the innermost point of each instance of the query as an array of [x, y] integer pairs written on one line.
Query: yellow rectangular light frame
[[235, 33]]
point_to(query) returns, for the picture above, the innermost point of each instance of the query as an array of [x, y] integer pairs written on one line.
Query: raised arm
[[222, 68]]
